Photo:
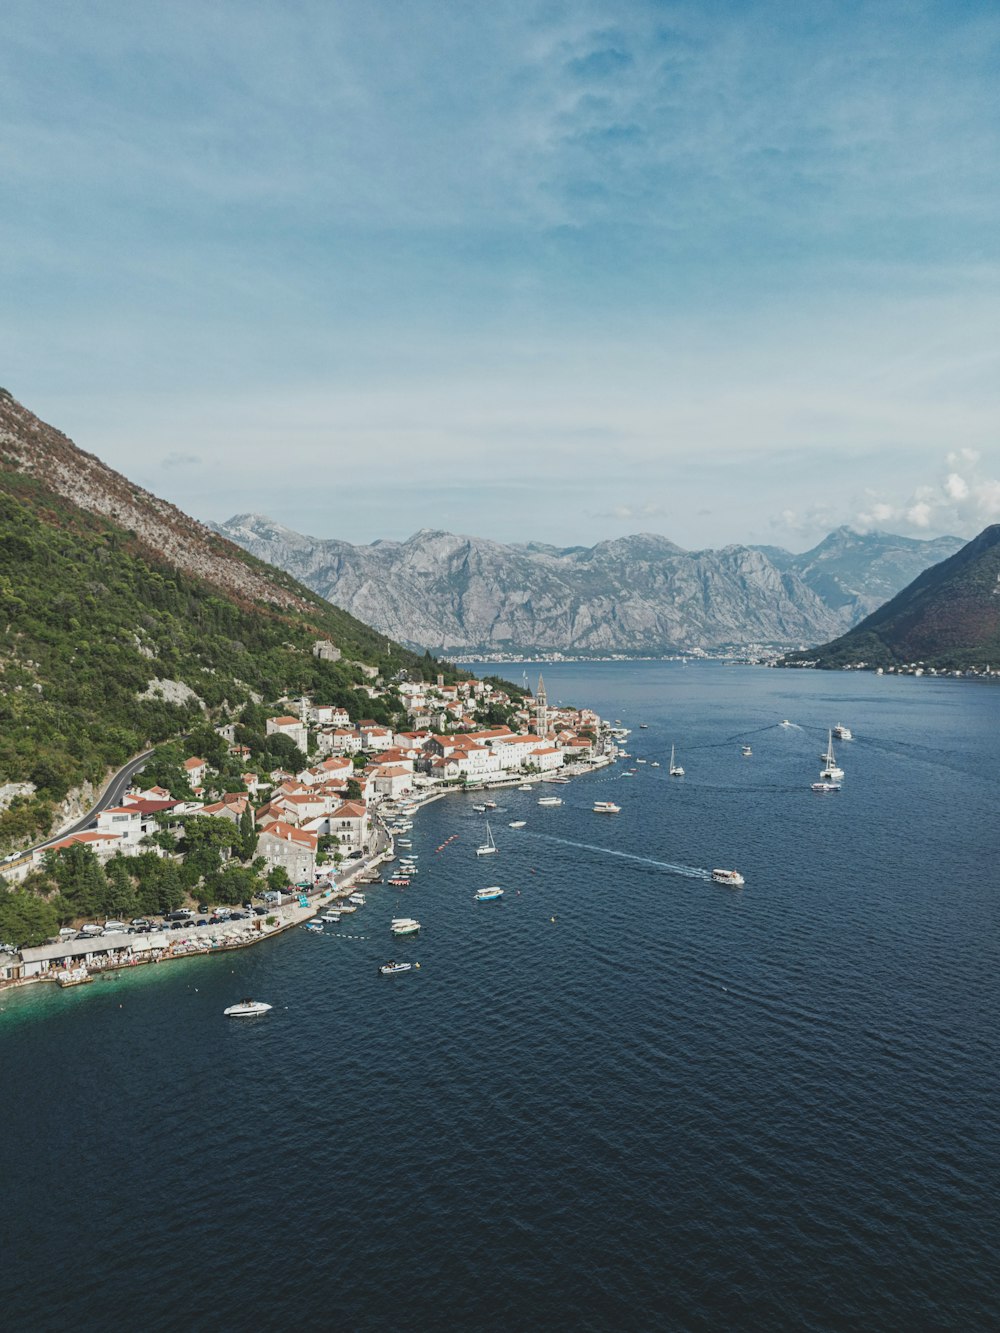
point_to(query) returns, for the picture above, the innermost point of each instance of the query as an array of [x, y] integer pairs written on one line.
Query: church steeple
[[541, 708]]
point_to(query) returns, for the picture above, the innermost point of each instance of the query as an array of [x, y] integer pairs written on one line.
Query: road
[[111, 795]]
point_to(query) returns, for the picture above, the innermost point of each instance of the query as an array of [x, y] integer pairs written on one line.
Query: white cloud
[[960, 502]]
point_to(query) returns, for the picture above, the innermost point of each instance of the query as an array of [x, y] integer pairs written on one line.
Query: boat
[[488, 895], [330, 917], [643, 726], [73, 976], [346, 908], [785, 723], [843, 733], [558, 779], [640, 761], [400, 881], [825, 786], [404, 925], [490, 805], [393, 969], [732, 878], [830, 772], [550, 800], [675, 769], [525, 786], [316, 927], [358, 898], [655, 763], [480, 808], [246, 1009], [517, 823], [606, 808], [747, 752], [489, 847], [404, 842]]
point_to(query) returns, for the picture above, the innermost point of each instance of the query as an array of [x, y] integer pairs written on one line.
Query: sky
[[727, 272]]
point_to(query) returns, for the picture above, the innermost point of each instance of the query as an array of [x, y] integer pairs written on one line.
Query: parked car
[[204, 907]]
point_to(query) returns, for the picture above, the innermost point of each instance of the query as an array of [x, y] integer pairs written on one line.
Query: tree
[[354, 792], [26, 921], [248, 834], [80, 878], [277, 878]]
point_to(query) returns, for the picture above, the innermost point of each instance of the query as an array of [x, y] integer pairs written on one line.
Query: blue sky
[[545, 271]]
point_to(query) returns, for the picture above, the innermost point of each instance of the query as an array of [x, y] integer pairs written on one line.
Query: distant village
[[325, 812]]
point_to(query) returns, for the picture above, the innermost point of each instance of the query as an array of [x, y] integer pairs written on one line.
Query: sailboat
[[830, 772], [675, 770], [489, 847]]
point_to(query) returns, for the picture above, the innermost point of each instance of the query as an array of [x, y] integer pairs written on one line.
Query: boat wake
[[689, 872]]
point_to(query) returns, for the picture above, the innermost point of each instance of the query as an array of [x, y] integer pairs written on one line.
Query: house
[[231, 807], [349, 822], [337, 740], [195, 770], [292, 727], [103, 844], [291, 848], [391, 780], [547, 757], [252, 782], [374, 737], [330, 715], [124, 821]]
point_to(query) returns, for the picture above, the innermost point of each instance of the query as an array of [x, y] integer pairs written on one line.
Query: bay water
[[620, 1097]]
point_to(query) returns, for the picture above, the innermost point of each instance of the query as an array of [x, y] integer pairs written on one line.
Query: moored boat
[[489, 847], [73, 976], [488, 895], [404, 925]]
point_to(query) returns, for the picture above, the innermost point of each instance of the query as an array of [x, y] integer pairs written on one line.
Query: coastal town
[[314, 832]]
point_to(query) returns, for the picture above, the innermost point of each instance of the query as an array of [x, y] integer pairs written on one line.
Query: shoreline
[[292, 913]]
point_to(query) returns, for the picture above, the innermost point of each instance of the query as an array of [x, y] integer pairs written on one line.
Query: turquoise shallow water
[[673, 1106]]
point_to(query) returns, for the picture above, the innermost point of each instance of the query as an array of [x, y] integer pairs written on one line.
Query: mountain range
[[947, 618], [640, 594]]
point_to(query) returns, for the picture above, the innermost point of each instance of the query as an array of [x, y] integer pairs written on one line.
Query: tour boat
[[489, 847], [517, 823], [826, 786], [606, 808], [675, 769], [331, 917], [246, 1009], [404, 925], [830, 772], [731, 877], [391, 969], [488, 895], [550, 800], [843, 733]]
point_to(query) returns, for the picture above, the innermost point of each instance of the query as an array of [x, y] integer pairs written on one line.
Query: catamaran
[[489, 847], [675, 769]]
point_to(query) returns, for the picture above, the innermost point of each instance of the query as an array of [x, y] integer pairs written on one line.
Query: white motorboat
[[830, 772], [785, 723], [393, 969], [525, 786], [490, 805], [843, 733], [404, 925], [825, 786], [480, 808], [732, 878], [345, 909], [246, 1009], [315, 926], [675, 769], [747, 752], [358, 898], [550, 800], [489, 847], [489, 894], [517, 823], [655, 764], [330, 917], [606, 808]]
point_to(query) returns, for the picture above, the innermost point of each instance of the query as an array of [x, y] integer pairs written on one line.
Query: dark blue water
[[673, 1106]]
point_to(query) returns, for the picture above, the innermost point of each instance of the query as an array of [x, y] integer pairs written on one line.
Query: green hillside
[[90, 615], [948, 618]]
